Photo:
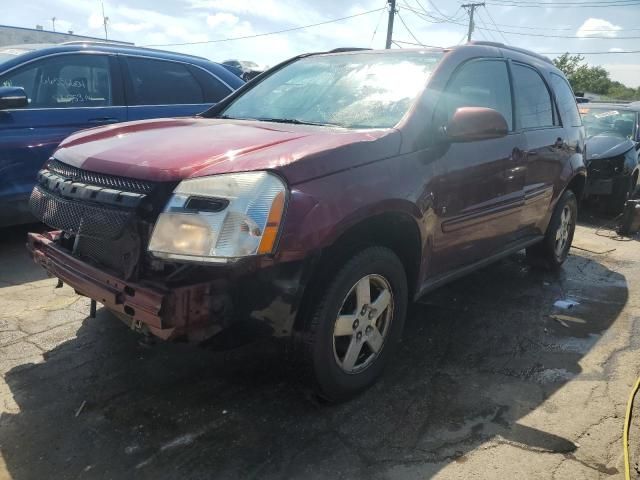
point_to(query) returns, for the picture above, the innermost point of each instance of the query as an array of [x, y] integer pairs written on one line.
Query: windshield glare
[[364, 90], [608, 121]]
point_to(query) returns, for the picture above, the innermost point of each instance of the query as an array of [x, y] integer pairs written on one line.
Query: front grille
[[76, 217], [106, 218], [100, 179]]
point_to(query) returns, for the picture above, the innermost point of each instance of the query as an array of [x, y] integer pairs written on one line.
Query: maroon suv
[[315, 202]]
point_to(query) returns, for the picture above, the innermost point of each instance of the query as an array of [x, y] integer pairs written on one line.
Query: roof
[[428, 48], [112, 48]]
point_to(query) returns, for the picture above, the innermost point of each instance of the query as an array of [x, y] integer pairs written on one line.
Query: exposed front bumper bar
[[141, 304]]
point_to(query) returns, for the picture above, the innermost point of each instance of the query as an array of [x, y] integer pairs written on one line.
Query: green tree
[[568, 63], [593, 79]]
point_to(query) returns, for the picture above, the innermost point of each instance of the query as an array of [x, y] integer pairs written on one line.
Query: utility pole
[[471, 7], [53, 21], [392, 14], [104, 21]]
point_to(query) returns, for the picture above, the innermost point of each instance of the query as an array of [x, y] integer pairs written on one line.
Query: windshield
[[364, 90], [608, 121]]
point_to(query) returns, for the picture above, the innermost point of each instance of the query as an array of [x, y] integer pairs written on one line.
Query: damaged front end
[[104, 224]]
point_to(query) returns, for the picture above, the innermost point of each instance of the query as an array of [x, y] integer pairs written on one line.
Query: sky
[[430, 22]]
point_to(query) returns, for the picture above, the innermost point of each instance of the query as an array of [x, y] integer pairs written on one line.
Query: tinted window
[[480, 84], [354, 90], [214, 90], [160, 82], [64, 81], [533, 101], [566, 101]]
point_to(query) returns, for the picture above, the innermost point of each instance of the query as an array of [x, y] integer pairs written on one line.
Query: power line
[[495, 25], [489, 32], [509, 3], [541, 53], [417, 44], [382, 10], [524, 27], [602, 37], [267, 33], [408, 29], [578, 2], [590, 53]]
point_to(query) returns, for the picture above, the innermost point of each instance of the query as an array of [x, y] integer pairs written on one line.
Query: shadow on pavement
[[477, 356], [16, 267]]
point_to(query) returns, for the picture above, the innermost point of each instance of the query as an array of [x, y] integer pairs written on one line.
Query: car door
[[548, 148], [66, 92], [164, 88], [479, 184]]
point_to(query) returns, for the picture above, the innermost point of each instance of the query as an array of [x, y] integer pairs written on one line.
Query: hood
[[177, 148], [606, 146]]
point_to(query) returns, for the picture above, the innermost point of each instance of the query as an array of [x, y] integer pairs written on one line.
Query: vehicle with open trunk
[[316, 201]]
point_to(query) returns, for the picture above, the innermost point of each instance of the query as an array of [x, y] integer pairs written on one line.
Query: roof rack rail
[[97, 42], [347, 49], [509, 47], [129, 45]]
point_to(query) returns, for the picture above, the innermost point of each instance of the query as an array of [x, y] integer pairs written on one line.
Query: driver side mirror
[[13, 97], [469, 124]]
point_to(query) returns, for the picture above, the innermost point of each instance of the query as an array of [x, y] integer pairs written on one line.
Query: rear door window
[[64, 81], [162, 82], [483, 83], [533, 100], [566, 101]]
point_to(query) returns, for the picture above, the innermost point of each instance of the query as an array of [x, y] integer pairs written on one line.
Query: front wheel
[[553, 250], [356, 324]]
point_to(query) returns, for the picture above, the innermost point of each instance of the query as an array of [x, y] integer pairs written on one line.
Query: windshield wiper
[[294, 121], [291, 121]]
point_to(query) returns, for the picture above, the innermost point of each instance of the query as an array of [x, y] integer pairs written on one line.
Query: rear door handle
[[103, 120]]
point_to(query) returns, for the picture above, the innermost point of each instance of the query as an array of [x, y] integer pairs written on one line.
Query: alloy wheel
[[362, 324], [564, 231]]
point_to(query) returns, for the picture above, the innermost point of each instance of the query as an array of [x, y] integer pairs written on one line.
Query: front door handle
[[103, 120]]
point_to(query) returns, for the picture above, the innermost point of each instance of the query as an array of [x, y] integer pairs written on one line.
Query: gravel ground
[[491, 381]]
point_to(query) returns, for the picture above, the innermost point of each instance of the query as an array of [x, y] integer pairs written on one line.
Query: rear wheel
[[356, 324], [553, 250]]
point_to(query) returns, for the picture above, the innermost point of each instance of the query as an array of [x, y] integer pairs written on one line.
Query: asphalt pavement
[[491, 381]]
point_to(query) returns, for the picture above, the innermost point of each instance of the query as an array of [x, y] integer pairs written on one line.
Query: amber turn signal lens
[[273, 224]]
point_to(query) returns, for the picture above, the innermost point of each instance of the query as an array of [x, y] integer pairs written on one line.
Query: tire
[[553, 250], [335, 372], [622, 191]]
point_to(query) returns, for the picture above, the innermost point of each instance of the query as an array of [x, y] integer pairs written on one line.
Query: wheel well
[[576, 185], [396, 231]]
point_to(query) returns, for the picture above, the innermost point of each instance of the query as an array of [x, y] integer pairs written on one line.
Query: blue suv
[[48, 92]]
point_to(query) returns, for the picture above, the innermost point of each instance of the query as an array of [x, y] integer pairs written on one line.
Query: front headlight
[[222, 217]]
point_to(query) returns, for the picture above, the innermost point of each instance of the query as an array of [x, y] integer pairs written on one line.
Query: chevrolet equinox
[[315, 202]]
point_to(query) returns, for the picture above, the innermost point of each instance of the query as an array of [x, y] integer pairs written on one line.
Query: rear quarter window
[[214, 90], [566, 101]]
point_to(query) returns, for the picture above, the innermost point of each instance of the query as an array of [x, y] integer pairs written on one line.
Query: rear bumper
[[269, 297]]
